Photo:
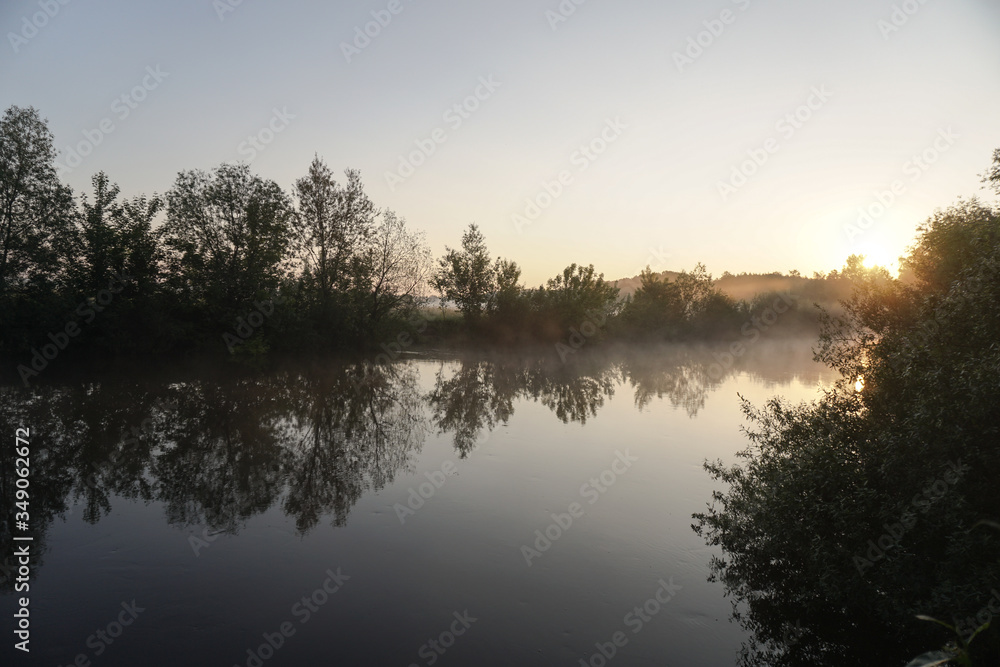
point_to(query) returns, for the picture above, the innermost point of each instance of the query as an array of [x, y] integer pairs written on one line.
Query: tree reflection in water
[[473, 396], [216, 448]]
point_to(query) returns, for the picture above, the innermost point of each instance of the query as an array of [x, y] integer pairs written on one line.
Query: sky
[[750, 135]]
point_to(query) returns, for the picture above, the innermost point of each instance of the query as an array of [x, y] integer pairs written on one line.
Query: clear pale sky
[[652, 197]]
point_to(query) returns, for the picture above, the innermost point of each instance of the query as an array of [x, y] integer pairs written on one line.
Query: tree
[[114, 237], [855, 513], [508, 299], [35, 208], [113, 243], [333, 224], [655, 306], [397, 263], [228, 232], [992, 175], [577, 295], [694, 290], [96, 242], [467, 276]]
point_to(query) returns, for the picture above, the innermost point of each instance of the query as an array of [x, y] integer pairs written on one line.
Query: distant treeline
[[229, 263]]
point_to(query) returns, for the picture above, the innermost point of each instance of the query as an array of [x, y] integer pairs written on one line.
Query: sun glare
[[875, 256]]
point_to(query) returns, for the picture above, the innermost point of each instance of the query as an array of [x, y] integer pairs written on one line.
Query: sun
[[878, 256]]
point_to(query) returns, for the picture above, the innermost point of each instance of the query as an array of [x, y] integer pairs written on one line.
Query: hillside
[[827, 290]]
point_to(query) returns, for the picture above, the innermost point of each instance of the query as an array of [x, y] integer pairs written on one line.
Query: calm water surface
[[471, 511]]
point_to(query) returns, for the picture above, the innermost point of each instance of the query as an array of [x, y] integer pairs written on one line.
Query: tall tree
[[35, 208], [508, 299], [466, 276], [992, 175], [114, 244], [333, 222], [97, 248]]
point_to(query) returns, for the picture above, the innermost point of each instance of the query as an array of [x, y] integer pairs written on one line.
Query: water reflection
[[218, 448], [348, 431], [470, 400]]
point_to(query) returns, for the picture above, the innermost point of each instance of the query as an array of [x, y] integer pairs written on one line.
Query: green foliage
[[654, 307], [690, 305], [335, 228], [577, 295], [853, 514], [992, 175], [467, 277], [343, 273]]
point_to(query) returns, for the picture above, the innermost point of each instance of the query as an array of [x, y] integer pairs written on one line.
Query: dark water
[[356, 514]]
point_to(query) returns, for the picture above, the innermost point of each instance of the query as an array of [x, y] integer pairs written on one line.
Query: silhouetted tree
[[394, 270], [35, 208], [852, 515], [334, 226], [579, 294], [466, 276], [228, 234]]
